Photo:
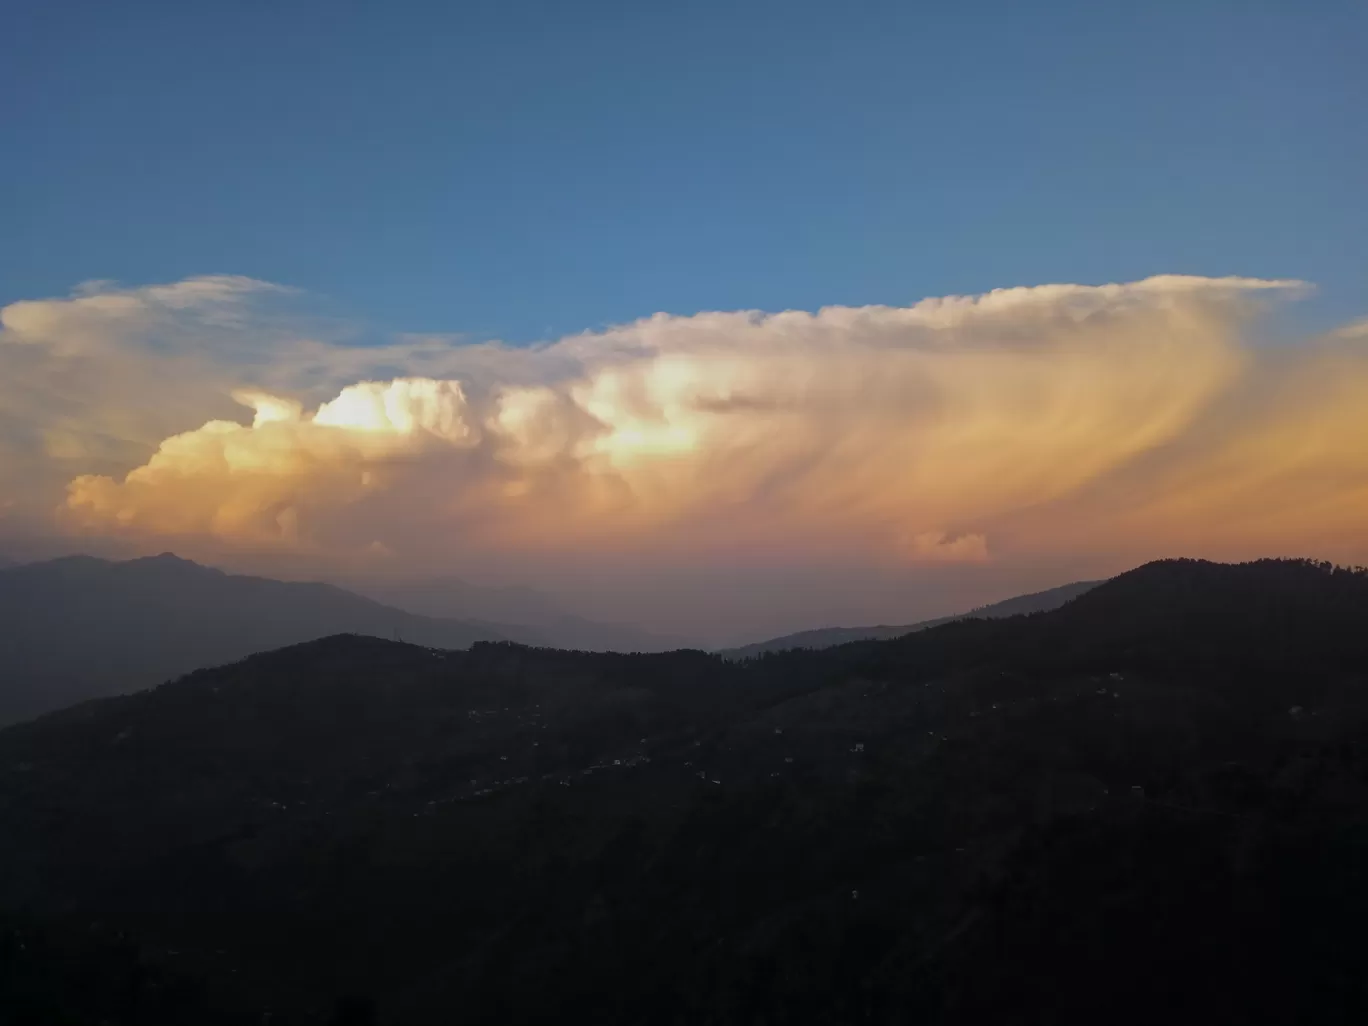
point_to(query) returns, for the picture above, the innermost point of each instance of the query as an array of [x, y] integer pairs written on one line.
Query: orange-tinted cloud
[[1120, 418]]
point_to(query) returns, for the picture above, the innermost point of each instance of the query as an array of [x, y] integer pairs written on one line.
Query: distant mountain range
[[79, 627], [524, 614], [827, 637]]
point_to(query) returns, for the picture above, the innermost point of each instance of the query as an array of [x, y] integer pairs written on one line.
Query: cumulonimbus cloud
[[965, 429], [1133, 418]]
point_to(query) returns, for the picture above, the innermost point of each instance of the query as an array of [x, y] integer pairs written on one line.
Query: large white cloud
[[967, 429], [965, 436], [94, 382]]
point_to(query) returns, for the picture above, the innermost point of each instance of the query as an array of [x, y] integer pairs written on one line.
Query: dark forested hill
[[79, 627], [828, 637], [1150, 804]]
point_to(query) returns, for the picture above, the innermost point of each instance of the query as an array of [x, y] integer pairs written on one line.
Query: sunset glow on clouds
[[1134, 419]]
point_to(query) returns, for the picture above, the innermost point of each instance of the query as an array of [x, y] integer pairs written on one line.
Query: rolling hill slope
[[939, 828]]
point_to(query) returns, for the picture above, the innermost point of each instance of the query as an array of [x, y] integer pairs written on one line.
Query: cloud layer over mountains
[[1123, 420]]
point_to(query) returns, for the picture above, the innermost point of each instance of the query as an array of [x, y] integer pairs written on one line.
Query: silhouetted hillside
[[828, 637], [937, 829], [79, 627]]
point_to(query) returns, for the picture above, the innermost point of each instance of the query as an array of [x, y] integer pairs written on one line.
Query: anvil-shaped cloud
[[1126, 420]]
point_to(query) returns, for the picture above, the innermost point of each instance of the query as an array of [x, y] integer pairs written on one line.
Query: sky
[[722, 317]]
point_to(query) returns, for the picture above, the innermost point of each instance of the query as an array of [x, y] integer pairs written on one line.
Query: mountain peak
[[166, 559]]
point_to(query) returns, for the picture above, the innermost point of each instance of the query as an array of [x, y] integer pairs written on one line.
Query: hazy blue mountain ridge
[[79, 627], [826, 637], [523, 614]]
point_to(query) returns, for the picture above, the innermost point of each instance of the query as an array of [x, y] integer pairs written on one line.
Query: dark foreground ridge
[[1150, 804]]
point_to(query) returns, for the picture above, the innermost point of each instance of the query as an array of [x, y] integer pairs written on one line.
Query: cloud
[[1356, 330], [93, 382], [1279, 463], [959, 430], [251, 483], [960, 438], [937, 546]]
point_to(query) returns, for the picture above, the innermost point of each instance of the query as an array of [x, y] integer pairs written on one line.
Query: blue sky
[[524, 170]]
